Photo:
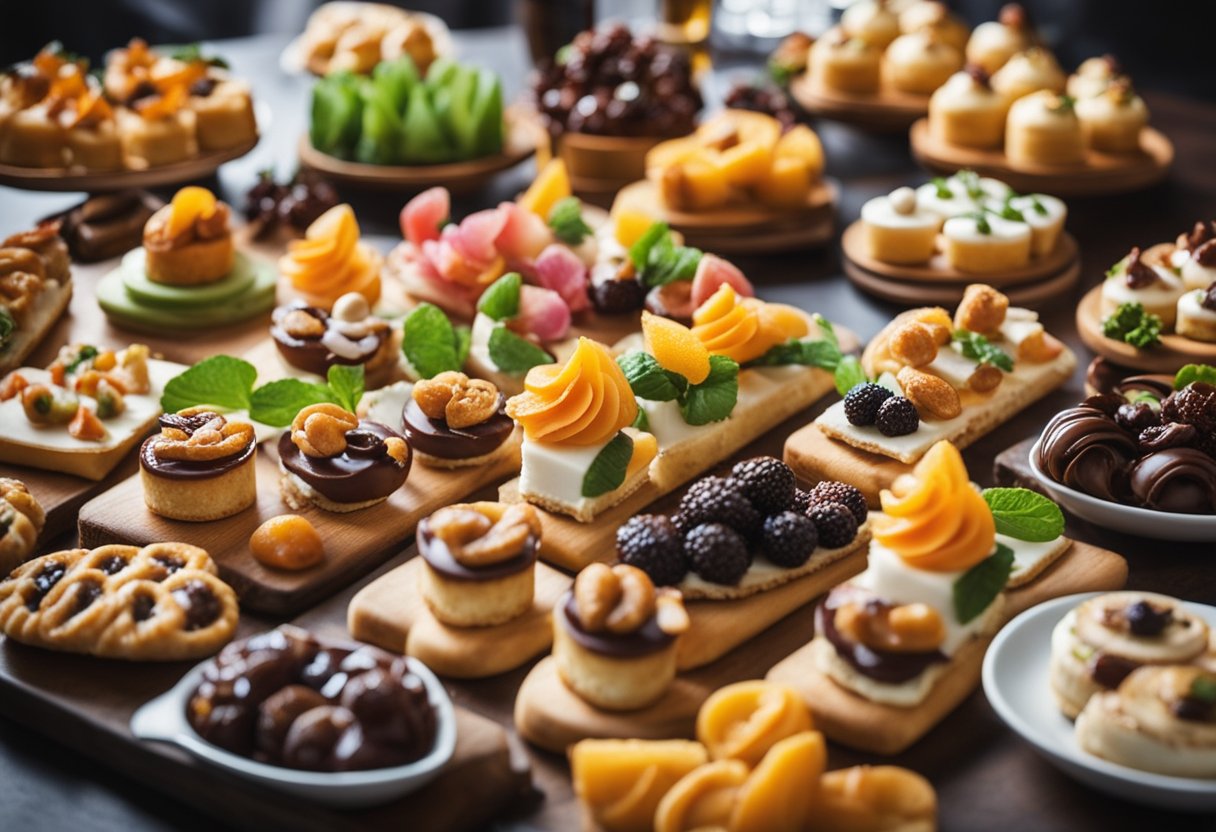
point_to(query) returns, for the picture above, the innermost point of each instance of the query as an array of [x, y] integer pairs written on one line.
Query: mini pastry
[[1045, 215], [32, 139], [872, 21], [288, 542], [1093, 76], [1026, 72], [1043, 129], [1199, 266], [1132, 280], [985, 243], [160, 131], [479, 562], [1112, 121], [920, 62], [1160, 719], [35, 288], [331, 261], [223, 112], [935, 17], [966, 111], [995, 42], [284, 698], [200, 467], [356, 38], [1098, 644], [91, 132], [570, 414], [189, 242], [332, 459], [312, 340], [845, 63], [159, 603], [1197, 314], [614, 637], [453, 421], [898, 229], [107, 225], [21, 521]]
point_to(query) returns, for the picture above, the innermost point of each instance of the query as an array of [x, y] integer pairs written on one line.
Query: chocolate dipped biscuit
[[310, 339], [200, 466], [453, 421], [332, 459]]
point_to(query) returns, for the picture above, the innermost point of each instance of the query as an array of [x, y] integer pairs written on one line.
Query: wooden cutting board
[[355, 543], [852, 720], [62, 495], [390, 612]]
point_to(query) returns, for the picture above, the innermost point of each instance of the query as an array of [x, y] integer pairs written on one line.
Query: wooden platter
[[62, 495], [355, 543], [390, 612], [1099, 173], [886, 110], [852, 720], [743, 229], [1167, 357], [550, 715], [1035, 294], [599, 166], [95, 182], [521, 140]]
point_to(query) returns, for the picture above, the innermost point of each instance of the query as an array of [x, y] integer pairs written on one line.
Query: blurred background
[[1164, 44]]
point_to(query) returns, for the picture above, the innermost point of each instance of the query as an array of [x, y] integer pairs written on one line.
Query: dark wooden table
[[986, 777]]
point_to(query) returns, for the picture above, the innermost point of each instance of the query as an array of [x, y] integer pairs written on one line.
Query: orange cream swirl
[[583, 402], [331, 261], [745, 328], [934, 518]]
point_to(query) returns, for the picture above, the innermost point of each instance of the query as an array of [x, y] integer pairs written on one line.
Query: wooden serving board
[[1098, 173], [86, 704], [739, 219], [550, 715], [886, 110], [937, 271], [1167, 357], [62, 495], [390, 612], [1011, 467], [355, 542], [1034, 294], [855, 721]]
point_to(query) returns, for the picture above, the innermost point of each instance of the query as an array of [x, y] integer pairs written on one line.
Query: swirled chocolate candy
[[1176, 479], [1083, 448]]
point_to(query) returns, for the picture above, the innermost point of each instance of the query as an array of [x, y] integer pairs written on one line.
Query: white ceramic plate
[[163, 719], [1017, 685], [1142, 522]]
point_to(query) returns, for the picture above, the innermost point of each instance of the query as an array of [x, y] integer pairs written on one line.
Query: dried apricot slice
[[675, 347]]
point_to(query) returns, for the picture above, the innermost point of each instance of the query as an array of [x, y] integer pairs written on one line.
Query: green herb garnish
[[1132, 324], [1037, 204], [501, 300], [941, 188], [608, 469], [849, 373], [712, 400], [659, 261], [981, 222], [1191, 373], [1203, 688], [979, 349], [513, 354], [1024, 514], [191, 52], [970, 180], [219, 381], [431, 344], [566, 220], [976, 588], [649, 380]]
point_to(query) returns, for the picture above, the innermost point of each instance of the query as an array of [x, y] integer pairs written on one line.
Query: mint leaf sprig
[[607, 471], [1024, 514], [1133, 324], [510, 353], [824, 353], [657, 259], [976, 588], [566, 220], [226, 383], [979, 349], [712, 400], [500, 300], [1191, 373], [431, 344]]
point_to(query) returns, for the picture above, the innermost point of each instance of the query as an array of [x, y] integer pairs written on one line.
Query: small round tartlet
[[479, 562], [1137, 278], [1026, 72], [453, 421], [200, 467], [189, 242], [966, 111], [993, 43], [845, 63], [899, 229], [1111, 122], [920, 62], [1043, 129]]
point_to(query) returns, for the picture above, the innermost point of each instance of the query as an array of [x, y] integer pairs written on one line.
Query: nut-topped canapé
[[310, 339], [453, 421], [199, 467]]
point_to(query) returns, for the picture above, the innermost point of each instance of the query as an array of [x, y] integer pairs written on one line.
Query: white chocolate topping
[[1000, 230], [1053, 210], [884, 211], [1044, 110], [1027, 71], [962, 92]]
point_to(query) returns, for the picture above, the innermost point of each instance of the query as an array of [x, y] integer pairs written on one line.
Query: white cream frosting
[[1112, 109], [1092, 78], [1165, 291], [1190, 306], [967, 229], [1027, 71], [1197, 276], [1042, 110], [879, 211], [922, 49], [1053, 214], [962, 92], [994, 38]]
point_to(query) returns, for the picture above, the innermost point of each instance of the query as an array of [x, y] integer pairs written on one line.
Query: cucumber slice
[[122, 307], [149, 293]]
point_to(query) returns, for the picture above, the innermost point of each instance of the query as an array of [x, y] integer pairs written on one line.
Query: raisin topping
[[50, 575], [199, 603], [113, 565], [1109, 670], [1144, 619], [86, 593], [142, 606]]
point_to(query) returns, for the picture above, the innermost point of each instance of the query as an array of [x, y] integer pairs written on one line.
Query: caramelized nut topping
[[300, 324], [981, 310], [481, 534], [620, 599], [200, 435], [913, 344], [319, 430], [907, 628], [456, 399], [931, 394]]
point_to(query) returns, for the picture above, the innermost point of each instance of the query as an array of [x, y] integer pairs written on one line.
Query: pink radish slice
[[425, 214], [524, 235], [560, 269], [543, 312], [474, 237], [712, 272]]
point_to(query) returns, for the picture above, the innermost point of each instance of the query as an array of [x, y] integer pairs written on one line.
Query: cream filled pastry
[[846, 63], [1045, 215], [1160, 719], [966, 110], [1187, 243], [615, 637], [1029, 71], [1093, 76], [920, 62], [995, 42], [1111, 121], [1197, 314], [983, 243], [1043, 129], [1199, 268], [872, 21], [898, 229], [313, 340], [1098, 644], [935, 17], [961, 193], [1133, 280]]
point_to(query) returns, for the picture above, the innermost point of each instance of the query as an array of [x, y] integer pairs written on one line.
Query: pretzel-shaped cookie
[[163, 602], [21, 521]]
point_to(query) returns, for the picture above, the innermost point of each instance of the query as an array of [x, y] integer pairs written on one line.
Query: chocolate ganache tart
[[453, 421], [200, 467], [332, 459]]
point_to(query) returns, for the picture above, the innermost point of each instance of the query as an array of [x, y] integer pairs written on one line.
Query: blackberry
[[718, 500], [1194, 404], [652, 543], [616, 297], [767, 482], [789, 539], [897, 416], [801, 501], [862, 402], [717, 553], [835, 523], [830, 491]]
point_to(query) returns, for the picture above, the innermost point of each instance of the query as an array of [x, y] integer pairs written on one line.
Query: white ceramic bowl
[[163, 719], [1016, 682], [1143, 522]]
